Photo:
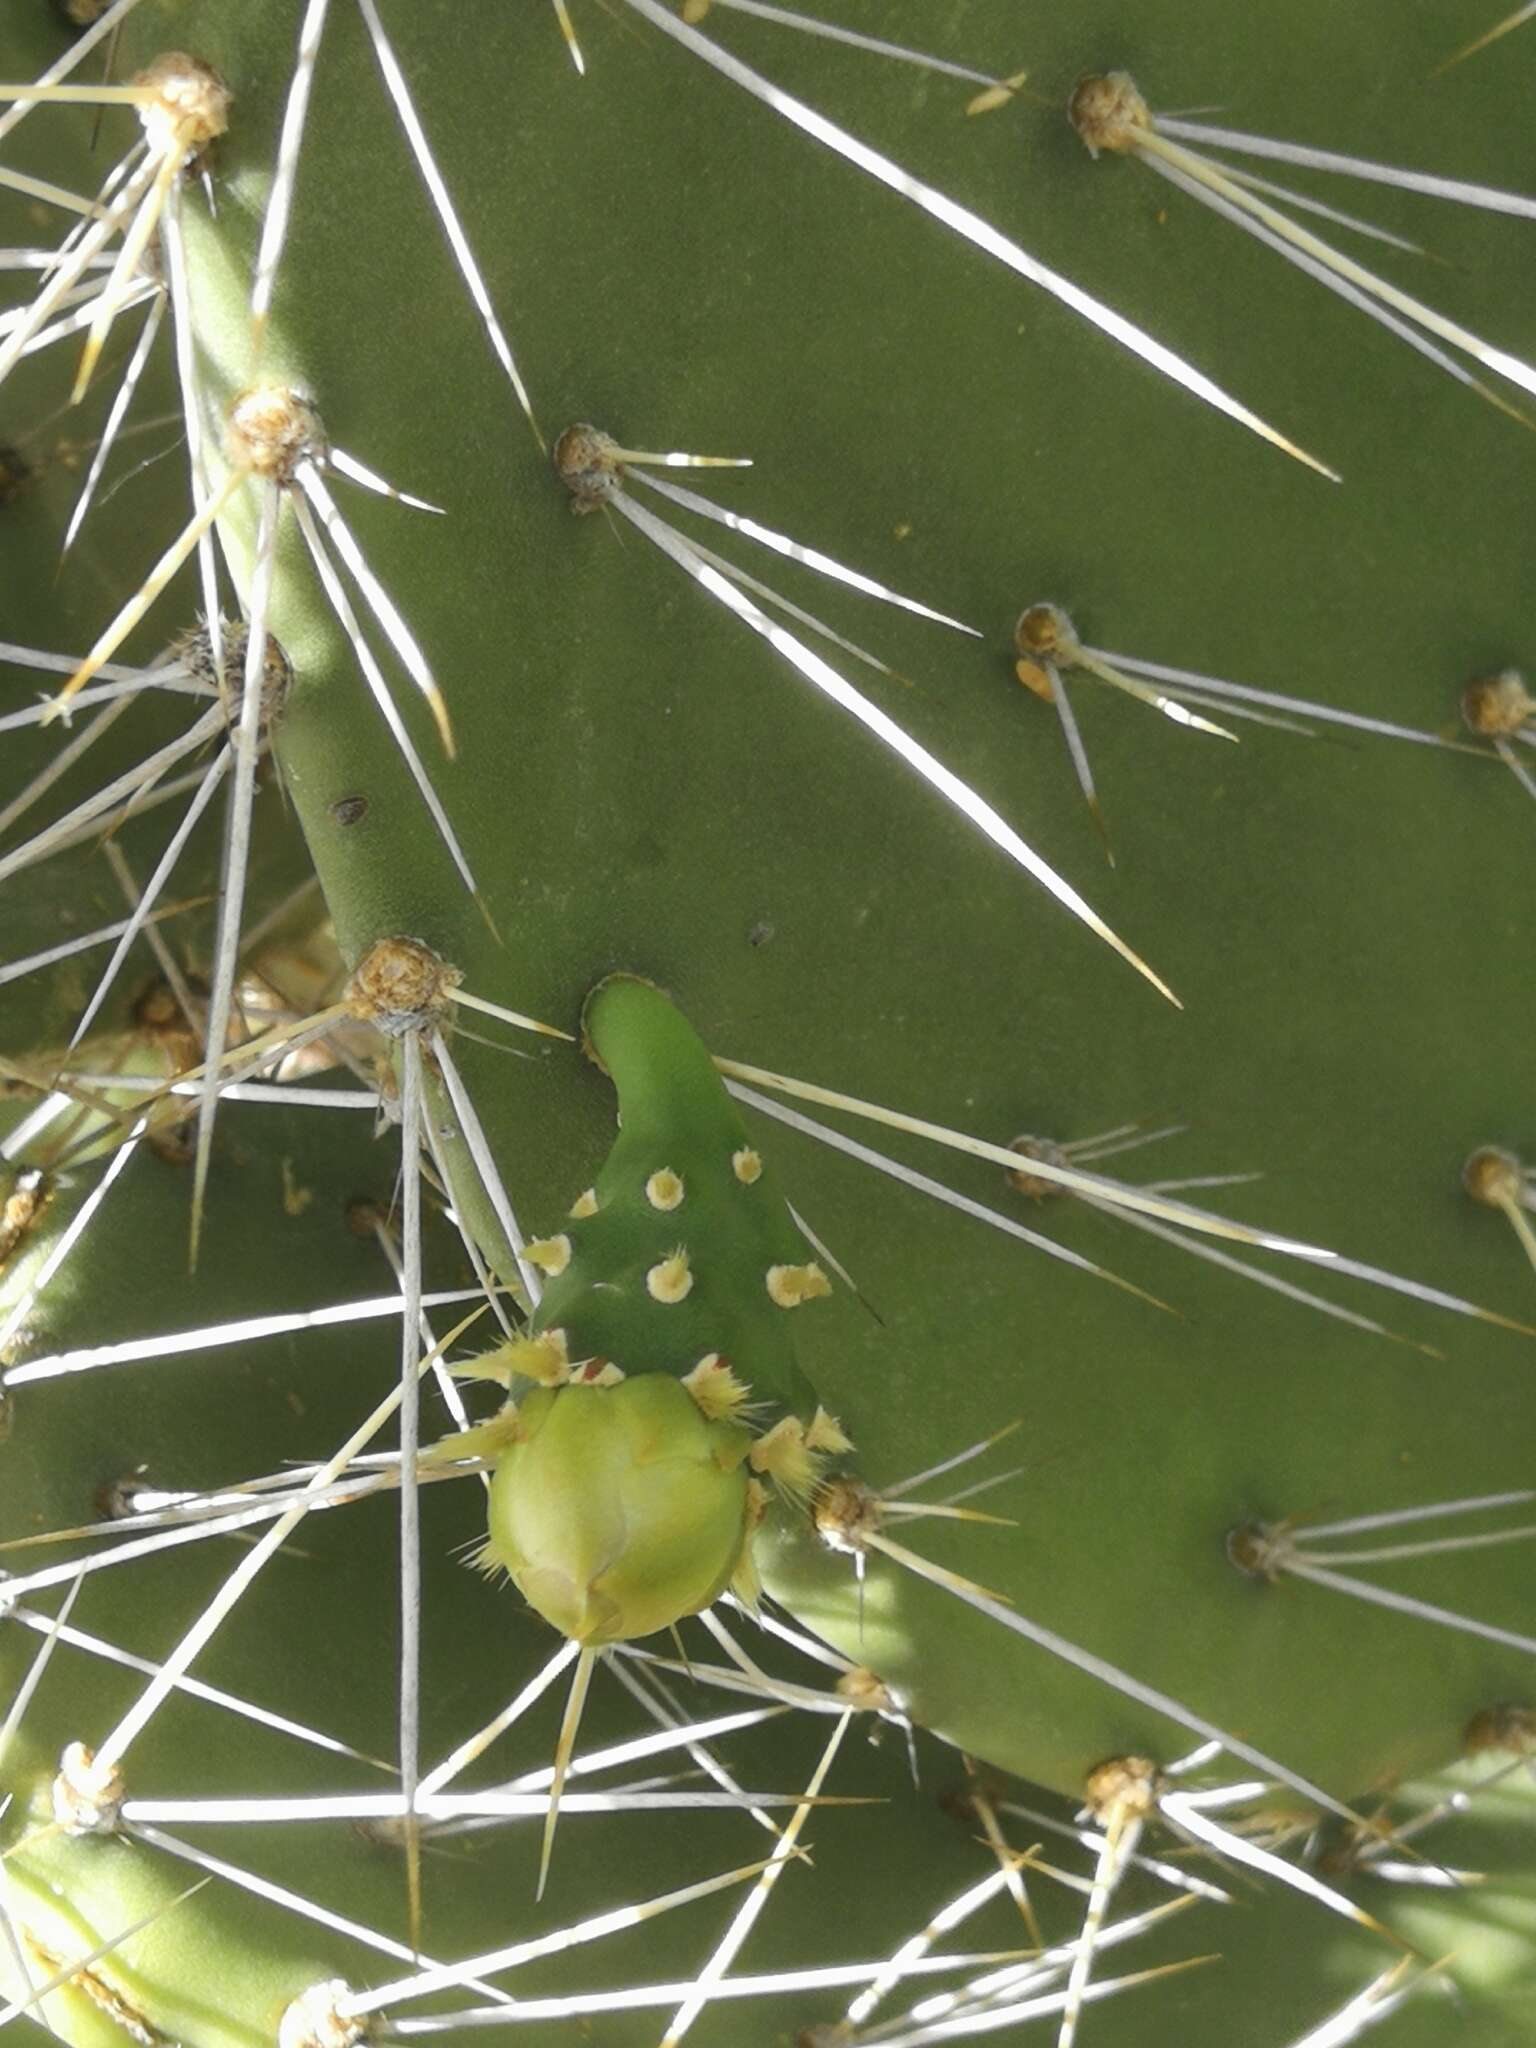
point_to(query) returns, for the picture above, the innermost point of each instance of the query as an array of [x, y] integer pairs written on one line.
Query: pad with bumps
[[686, 1249]]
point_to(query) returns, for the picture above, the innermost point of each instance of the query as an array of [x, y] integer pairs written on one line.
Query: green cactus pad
[[642, 783], [217, 1971], [618, 1509], [673, 1262]]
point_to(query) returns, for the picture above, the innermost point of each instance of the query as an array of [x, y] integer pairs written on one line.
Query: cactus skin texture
[[643, 790]]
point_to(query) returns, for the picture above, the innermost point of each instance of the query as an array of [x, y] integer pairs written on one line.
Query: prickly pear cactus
[[564, 1004]]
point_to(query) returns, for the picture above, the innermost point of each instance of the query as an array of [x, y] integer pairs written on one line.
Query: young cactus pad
[[684, 1246], [624, 1500]]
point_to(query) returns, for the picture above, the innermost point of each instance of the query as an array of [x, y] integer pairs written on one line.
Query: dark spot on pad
[[15, 473], [348, 810]]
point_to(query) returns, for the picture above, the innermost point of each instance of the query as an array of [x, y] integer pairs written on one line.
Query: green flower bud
[[619, 1509]]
